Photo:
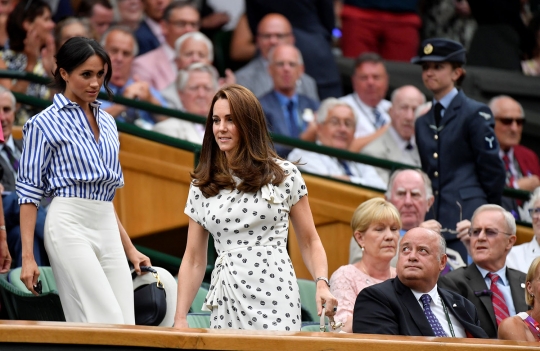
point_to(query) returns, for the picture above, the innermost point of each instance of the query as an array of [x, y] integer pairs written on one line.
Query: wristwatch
[[324, 279]]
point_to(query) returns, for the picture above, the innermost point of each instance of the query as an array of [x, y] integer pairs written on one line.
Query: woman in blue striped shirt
[[71, 153]]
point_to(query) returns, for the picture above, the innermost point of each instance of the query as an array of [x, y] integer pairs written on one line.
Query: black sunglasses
[[509, 120], [490, 232]]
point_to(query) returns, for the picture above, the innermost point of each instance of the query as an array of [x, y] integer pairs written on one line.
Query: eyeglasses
[[452, 231], [282, 64], [336, 122], [184, 24], [279, 36], [509, 120], [534, 212], [490, 232]]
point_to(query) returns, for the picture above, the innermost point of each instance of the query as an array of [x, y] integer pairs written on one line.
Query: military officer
[[456, 142]]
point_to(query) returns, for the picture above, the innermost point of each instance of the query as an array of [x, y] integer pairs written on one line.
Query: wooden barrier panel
[[38, 335]]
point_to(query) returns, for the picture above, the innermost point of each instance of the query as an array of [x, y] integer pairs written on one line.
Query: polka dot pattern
[[253, 284]]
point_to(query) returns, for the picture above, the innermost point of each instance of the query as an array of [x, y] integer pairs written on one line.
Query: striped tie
[[497, 299]]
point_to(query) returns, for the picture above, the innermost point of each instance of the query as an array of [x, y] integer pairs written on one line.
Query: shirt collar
[[501, 273], [169, 52], [402, 143], [433, 293], [447, 99], [10, 143], [510, 153], [61, 102], [284, 100]]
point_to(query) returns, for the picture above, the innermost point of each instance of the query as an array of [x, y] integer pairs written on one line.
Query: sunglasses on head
[[490, 232], [509, 120]]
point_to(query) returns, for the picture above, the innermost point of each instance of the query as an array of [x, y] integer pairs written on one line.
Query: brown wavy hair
[[253, 160]]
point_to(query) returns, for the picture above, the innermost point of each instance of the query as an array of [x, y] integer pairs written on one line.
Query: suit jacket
[[527, 160], [385, 147], [461, 158], [155, 68], [8, 177], [276, 119], [146, 39], [255, 77], [390, 308], [465, 281]]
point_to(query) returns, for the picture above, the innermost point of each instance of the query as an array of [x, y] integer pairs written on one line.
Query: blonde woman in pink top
[[375, 224]]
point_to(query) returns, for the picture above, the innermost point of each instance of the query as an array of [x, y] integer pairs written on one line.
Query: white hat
[[170, 286]]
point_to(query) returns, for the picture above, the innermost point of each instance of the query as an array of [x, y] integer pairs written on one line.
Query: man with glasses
[[288, 112], [158, 67], [336, 122], [496, 290], [521, 163], [272, 30]]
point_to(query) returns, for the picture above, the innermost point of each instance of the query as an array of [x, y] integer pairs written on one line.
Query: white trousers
[[83, 243]]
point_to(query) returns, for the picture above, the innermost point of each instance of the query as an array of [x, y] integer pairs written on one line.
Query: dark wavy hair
[[253, 160], [24, 11], [74, 53]]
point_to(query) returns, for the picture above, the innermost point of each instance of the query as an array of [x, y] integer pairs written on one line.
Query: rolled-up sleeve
[[33, 165]]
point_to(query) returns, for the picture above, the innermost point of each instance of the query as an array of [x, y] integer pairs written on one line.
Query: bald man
[[273, 29]]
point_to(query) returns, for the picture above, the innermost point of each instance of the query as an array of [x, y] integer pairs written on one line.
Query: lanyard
[[369, 115], [448, 318]]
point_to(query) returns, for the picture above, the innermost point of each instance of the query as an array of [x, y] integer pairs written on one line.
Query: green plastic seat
[[197, 303], [310, 327], [308, 289], [48, 283], [198, 320]]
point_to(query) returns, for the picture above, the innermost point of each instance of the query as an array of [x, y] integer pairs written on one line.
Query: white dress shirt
[[436, 306], [504, 286], [366, 119], [521, 256]]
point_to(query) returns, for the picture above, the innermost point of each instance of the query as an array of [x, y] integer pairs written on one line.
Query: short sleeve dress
[[253, 283]]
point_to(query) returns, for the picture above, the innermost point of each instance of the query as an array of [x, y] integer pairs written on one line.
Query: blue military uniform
[[461, 154]]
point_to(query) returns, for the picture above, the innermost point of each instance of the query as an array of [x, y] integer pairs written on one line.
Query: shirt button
[[435, 155], [436, 137], [436, 174], [436, 192]]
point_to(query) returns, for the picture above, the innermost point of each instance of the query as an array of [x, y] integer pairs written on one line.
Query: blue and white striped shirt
[[61, 157]]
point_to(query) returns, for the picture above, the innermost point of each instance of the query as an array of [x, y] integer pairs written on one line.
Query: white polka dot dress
[[253, 283]]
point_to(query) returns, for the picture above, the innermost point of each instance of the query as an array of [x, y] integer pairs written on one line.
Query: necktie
[[379, 121], [433, 321], [12, 160], [292, 119], [437, 113], [409, 146], [345, 166], [497, 299], [509, 176]]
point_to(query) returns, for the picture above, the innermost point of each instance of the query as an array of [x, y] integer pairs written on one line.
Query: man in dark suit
[[149, 34], [456, 142], [10, 153], [287, 112], [492, 234], [411, 303]]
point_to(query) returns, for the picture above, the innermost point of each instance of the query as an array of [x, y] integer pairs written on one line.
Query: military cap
[[440, 50]]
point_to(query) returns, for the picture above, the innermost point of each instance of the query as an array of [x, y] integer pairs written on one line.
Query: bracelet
[[3, 227], [323, 279]]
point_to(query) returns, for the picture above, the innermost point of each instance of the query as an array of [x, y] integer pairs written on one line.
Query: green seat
[[310, 327], [22, 305], [308, 290], [198, 320], [197, 303], [48, 283]]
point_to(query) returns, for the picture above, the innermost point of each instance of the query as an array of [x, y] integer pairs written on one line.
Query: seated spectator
[[375, 224], [100, 14], [335, 128], [128, 13], [397, 143], [524, 325], [284, 107], [521, 256], [242, 46], [496, 290], [409, 190], [6, 7], [70, 27], [196, 86], [10, 152], [412, 303], [521, 163], [389, 28], [531, 67], [273, 29], [121, 46], [158, 66], [31, 49], [370, 84], [149, 35]]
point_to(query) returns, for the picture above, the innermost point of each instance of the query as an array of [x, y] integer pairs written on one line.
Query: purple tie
[[433, 321], [14, 162]]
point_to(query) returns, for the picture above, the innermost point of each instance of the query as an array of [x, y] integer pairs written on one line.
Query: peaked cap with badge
[[440, 50]]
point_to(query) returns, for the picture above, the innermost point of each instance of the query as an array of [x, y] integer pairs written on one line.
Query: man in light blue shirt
[[496, 290]]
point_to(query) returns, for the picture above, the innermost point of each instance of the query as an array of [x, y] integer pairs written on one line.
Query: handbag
[[333, 326], [150, 300]]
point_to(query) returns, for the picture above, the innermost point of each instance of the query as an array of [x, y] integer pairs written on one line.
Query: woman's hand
[[30, 274], [180, 323], [137, 259], [32, 47], [325, 297], [47, 55]]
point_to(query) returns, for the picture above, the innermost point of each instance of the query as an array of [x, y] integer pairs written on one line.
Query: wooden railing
[[26, 335]]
